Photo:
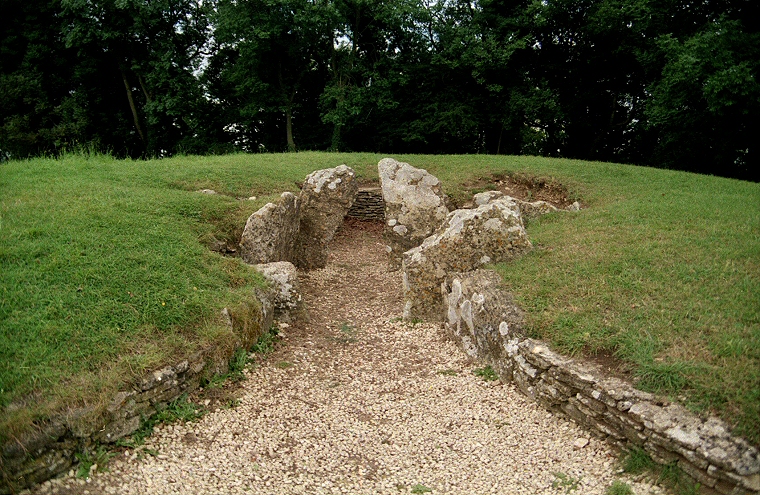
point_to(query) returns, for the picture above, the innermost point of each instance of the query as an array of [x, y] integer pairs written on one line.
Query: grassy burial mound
[[108, 270]]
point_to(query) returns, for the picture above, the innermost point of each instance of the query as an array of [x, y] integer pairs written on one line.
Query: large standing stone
[[415, 206], [482, 316], [326, 196], [284, 279], [467, 240], [270, 233]]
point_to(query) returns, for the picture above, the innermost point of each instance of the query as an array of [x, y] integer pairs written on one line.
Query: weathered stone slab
[[415, 206], [528, 209], [481, 314], [284, 279], [326, 197], [271, 232], [468, 239]]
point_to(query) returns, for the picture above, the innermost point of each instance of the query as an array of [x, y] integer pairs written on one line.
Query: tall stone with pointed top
[[325, 198], [270, 233], [415, 206]]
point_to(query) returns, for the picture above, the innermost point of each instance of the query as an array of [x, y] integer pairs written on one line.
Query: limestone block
[[284, 279], [271, 232], [326, 197], [415, 206], [528, 209], [467, 240], [480, 314]]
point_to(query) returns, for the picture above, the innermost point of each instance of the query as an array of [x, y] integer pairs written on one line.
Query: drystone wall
[[484, 322], [50, 450], [369, 205]]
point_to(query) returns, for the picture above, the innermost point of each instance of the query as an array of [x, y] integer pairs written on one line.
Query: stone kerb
[[415, 206], [50, 450], [467, 240]]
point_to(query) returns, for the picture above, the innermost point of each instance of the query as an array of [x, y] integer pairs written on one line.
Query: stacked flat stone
[[50, 450], [369, 205]]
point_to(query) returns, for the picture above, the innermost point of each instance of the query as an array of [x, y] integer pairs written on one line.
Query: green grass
[[619, 488], [93, 460], [104, 273], [565, 483], [637, 461], [418, 489], [486, 374], [265, 344], [180, 409]]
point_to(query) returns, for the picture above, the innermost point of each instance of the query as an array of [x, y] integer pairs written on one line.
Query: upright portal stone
[[270, 233], [467, 240], [415, 206], [326, 196]]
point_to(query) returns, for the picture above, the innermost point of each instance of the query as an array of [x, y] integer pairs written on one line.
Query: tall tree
[[704, 107], [275, 54], [37, 114], [151, 51]]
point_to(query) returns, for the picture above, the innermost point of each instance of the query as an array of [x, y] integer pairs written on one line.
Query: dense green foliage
[[668, 83]]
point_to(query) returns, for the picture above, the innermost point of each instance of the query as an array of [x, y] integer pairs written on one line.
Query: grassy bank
[[105, 271]]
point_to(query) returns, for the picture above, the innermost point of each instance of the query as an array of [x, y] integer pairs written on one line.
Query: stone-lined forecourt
[[356, 401]]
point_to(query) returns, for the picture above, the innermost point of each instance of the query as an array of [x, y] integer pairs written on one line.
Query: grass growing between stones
[[105, 272], [180, 409], [661, 271], [486, 373], [637, 461]]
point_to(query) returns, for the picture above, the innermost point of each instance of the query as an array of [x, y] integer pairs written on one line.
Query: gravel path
[[357, 402]]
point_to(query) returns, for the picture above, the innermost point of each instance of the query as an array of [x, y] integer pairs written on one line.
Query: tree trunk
[[289, 128], [288, 108], [148, 96], [132, 106]]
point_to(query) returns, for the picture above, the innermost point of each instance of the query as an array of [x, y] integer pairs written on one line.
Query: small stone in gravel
[[580, 443]]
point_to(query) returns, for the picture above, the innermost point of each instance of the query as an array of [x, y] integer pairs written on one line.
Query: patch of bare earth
[[526, 188], [355, 401]]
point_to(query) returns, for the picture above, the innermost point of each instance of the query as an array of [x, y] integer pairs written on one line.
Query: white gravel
[[357, 402]]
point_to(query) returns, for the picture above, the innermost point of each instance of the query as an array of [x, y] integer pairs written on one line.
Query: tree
[[37, 114], [275, 54], [705, 104], [138, 58]]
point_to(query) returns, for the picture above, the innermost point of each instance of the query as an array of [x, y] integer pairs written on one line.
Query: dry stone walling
[[441, 254], [482, 318]]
